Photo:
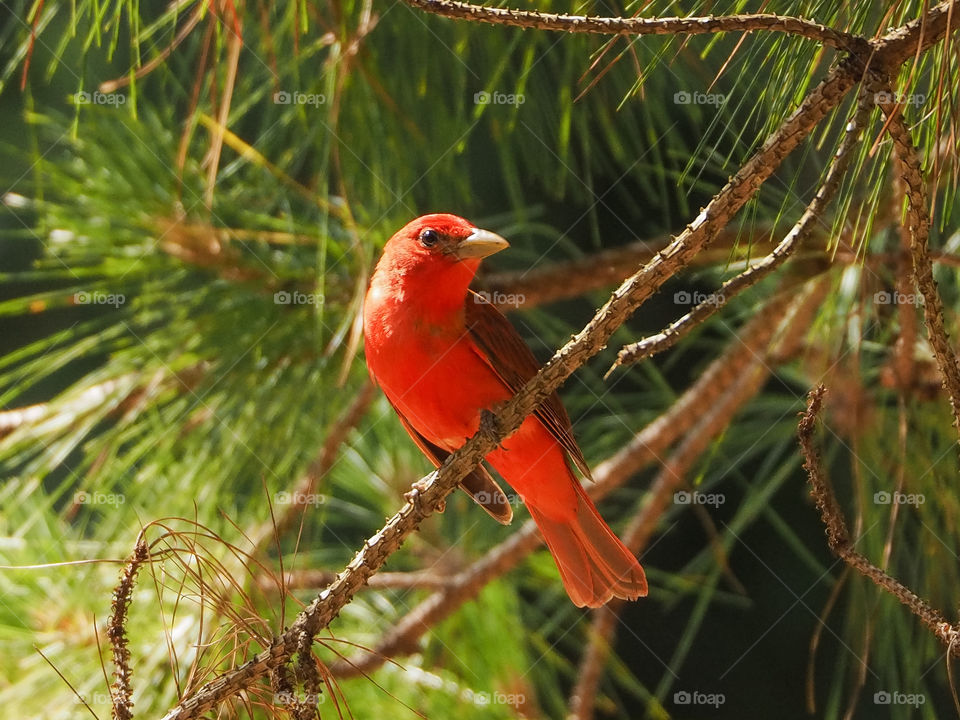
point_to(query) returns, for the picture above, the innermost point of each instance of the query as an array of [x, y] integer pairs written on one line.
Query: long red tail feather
[[594, 564]]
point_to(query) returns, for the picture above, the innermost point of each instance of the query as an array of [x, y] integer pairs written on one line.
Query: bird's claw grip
[[489, 423], [412, 496]]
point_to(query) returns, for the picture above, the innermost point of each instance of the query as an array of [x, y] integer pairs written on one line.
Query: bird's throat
[[431, 295]]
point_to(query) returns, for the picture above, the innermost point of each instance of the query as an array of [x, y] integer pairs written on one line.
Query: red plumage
[[442, 354]]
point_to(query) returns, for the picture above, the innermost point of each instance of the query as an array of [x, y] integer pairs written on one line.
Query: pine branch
[[645, 26], [127, 393], [84, 402], [918, 228]]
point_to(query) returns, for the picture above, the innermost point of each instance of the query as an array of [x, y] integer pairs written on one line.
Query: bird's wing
[[479, 485], [508, 355]]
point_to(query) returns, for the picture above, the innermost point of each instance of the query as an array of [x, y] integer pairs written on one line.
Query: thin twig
[[122, 690], [306, 487], [838, 538], [644, 26], [212, 159], [811, 218], [157, 60], [309, 579], [571, 278]]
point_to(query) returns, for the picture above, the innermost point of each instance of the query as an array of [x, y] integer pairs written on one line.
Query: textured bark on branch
[[838, 537], [121, 692], [918, 231], [644, 26]]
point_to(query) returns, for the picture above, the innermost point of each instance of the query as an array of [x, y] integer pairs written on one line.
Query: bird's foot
[[489, 422], [412, 496]]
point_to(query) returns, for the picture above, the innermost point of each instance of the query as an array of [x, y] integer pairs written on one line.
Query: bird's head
[[442, 239], [431, 261]]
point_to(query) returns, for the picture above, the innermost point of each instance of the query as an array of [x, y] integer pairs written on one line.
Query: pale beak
[[479, 244]]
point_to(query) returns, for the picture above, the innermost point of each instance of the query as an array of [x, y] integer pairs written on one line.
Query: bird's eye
[[429, 238]]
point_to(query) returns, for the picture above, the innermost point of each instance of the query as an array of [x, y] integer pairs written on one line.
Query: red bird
[[442, 354]]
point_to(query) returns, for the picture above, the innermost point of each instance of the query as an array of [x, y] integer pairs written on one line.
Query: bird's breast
[[432, 373]]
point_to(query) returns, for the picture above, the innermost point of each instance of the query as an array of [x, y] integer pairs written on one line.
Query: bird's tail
[[594, 565]]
